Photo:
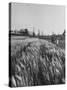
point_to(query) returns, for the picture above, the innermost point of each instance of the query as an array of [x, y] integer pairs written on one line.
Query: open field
[[36, 62]]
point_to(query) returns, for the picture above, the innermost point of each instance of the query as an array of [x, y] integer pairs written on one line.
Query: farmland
[[36, 62]]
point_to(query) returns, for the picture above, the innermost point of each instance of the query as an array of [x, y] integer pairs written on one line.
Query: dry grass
[[36, 62]]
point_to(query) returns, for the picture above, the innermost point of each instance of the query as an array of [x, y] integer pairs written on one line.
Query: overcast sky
[[46, 18]]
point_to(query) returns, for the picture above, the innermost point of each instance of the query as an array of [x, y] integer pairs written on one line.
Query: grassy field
[[36, 62]]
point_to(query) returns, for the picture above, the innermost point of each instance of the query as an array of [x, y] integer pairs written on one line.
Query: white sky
[[46, 18]]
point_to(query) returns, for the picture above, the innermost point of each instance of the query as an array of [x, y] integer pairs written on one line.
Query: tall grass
[[37, 63]]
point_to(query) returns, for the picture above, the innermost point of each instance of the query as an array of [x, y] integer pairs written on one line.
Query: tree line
[[26, 32]]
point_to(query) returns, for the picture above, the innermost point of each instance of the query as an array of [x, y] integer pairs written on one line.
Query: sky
[[47, 19]]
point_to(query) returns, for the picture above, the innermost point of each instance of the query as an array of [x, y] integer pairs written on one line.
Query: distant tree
[[26, 32], [38, 33], [53, 38], [33, 32], [15, 31], [21, 31]]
